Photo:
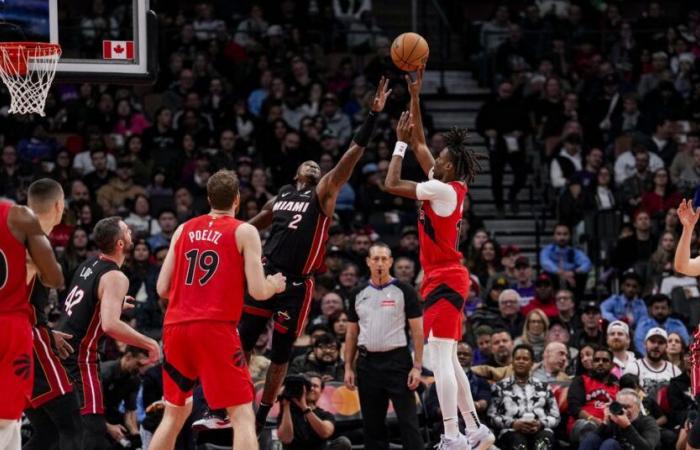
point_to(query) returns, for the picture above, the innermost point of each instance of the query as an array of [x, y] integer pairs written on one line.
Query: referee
[[378, 318]]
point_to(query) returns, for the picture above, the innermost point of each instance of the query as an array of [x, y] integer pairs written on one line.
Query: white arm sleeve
[[442, 196]]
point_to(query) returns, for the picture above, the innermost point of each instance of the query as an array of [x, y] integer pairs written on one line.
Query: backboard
[[103, 41]]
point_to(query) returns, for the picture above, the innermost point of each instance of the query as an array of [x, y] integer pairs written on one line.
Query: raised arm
[[393, 182], [418, 143], [330, 184], [682, 261], [259, 286], [263, 219], [166, 271], [25, 228]]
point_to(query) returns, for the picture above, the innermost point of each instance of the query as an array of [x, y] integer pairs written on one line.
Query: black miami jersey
[[299, 232], [81, 315]]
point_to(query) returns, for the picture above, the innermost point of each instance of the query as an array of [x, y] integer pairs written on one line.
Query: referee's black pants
[[382, 376]]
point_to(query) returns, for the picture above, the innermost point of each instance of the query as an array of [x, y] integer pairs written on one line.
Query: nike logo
[[305, 194], [285, 194], [294, 283]]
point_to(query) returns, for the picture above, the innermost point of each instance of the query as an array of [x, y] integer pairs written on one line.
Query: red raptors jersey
[[208, 279], [439, 236], [14, 292]]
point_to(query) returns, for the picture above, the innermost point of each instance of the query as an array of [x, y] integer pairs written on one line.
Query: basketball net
[[28, 69]]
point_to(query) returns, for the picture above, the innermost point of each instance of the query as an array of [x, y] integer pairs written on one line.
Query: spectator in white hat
[[619, 342], [653, 370]]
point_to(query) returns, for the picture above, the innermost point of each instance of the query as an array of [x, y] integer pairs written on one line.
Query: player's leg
[[226, 380], [243, 423], [253, 322], [480, 437], [174, 418], [44, 432], [94, 432], [289, 317], [179, 374], [439, 352], [64, 412], [10, 435]]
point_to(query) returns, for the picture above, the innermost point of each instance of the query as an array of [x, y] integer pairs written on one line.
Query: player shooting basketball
[[446, 282]]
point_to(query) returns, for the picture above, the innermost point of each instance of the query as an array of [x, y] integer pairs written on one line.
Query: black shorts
[[289, 310], [50, 377]]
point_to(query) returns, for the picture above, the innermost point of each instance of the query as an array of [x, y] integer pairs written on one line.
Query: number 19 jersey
[[208, 279]]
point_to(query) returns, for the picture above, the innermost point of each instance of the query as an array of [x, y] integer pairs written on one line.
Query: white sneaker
[[458, 443], [481, 439], [211, 422]]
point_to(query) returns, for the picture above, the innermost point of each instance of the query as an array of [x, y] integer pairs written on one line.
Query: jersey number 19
[[207, 261]]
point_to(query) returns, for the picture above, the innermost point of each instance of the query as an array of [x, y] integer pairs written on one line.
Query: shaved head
[[43, 194]]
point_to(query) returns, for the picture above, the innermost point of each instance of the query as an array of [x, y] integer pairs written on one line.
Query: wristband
[[364, 133], [400, 148]]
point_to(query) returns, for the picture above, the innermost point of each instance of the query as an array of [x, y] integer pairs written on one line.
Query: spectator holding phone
[[624, 427]]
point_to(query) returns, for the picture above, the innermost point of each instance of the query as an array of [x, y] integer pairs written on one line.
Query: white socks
[[452, 386], [10, 436]]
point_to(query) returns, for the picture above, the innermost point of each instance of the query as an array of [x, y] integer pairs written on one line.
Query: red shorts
[[444, 292], [16, 365], [211, 352]]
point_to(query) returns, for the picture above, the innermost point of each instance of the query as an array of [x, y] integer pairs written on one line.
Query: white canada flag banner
[[118, 49]]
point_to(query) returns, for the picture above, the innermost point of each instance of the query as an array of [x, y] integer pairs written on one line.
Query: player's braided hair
[[466, 160]]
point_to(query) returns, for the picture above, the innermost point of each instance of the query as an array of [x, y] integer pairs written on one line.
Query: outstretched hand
[[414, 87], [687, 214], [404, 129], [381, 95]]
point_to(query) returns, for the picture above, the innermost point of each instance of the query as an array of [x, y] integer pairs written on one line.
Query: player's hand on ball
[[405, 127], [414, 87], [687, 215], [279, 281], [381, 95]]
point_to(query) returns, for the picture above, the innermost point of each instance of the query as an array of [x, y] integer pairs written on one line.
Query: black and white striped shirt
[[382, 313]]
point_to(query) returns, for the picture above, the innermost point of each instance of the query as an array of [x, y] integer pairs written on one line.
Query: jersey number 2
[[207, 261], [294, 224]]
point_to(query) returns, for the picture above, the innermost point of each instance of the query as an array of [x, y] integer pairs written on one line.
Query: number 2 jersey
[[299, 232], [81, 317], [208, 279]]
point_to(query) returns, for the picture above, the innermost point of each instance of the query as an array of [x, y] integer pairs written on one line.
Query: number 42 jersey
[[81, 316], [208, 279]]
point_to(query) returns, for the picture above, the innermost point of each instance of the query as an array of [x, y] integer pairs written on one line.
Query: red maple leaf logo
[[118, 49]]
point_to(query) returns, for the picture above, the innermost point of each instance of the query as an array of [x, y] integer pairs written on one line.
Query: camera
[[616, 408], [294, 387]]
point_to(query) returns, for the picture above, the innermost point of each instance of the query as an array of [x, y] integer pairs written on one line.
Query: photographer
[[301, 424], [624, 427]]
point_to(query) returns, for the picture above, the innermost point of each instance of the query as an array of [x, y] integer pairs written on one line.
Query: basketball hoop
[[28, 69]]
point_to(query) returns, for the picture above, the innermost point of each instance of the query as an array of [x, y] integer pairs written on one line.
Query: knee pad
[[281, 347]]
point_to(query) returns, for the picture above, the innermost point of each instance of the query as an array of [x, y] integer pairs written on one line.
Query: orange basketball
[[409, 51]]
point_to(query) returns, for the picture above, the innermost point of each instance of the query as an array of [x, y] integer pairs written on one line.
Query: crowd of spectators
[[608, 103]]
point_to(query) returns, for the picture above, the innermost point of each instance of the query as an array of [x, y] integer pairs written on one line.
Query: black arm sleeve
[[411, 303]]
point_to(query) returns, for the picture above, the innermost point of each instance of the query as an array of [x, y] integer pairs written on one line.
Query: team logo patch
[[282, 316], [21, 366], [388, 303]]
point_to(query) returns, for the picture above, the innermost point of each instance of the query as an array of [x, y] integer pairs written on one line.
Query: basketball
[[409, 51]]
